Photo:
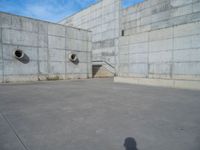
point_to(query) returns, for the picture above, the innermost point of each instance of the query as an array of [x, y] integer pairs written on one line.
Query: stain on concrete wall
[[46, 45]]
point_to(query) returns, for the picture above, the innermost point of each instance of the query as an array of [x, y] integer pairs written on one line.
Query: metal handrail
[[105, 63]]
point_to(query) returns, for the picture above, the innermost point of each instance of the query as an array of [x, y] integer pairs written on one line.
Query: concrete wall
[[161, 42], [46, 46], [102, 19], [160, 45]]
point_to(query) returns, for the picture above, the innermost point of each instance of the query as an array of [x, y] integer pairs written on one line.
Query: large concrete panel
[[159, 57], [43, 68], [10, 36], [42, 27], [55, 29], [77, 69], [16, 67], [160, 68], [56, 42], [187, 55], [181, 11], [123, 58], [138, 58], [196, 7], [161, 45], [187, 42], [43, 54], [57, 55], [137, 38], [187, 29], [187, 68], [24, 24], [57, 67], [166, 33], [138, 48], [43, 40], [5, 20], [138, 68]]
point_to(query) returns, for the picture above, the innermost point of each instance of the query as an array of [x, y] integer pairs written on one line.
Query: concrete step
[[100, 71]]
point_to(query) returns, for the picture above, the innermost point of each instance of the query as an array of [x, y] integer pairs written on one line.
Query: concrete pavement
[[97, 115]]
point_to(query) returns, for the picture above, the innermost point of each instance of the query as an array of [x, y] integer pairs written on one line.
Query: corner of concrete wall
[[1, 57], [103, 20]]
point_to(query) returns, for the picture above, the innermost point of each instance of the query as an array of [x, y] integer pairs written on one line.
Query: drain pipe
[[18, 54], [73, 57]]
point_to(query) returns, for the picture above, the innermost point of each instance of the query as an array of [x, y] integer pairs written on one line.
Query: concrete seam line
[[1, 47], [14, 131], [65, 51]]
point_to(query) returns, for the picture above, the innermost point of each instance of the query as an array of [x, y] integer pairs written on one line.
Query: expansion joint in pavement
[[14, 131]]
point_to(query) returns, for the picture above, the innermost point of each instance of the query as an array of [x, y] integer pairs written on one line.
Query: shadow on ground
[[130, 143]]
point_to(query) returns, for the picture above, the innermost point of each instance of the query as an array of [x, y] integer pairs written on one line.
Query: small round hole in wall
[[73, 57], [18, 54]]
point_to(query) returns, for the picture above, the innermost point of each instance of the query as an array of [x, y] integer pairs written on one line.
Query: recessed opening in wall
[[73, 57], [18, 54], [128, 3], [122, 33]]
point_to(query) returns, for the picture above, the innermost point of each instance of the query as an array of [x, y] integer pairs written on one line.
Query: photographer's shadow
[[130, 144]]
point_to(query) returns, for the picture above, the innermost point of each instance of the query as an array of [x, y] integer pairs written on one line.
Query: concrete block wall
[[46, 46], [102, 19], [161, 42]]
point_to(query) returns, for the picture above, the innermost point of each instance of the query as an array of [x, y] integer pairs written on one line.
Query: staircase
[[102, 69]]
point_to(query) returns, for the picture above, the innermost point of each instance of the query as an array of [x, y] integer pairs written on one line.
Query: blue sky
[[49, 10]]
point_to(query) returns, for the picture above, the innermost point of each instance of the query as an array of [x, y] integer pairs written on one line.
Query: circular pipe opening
[[73, 57], [18, 54]]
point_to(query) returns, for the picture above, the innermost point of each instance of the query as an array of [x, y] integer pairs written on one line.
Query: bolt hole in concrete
[[21, 56]]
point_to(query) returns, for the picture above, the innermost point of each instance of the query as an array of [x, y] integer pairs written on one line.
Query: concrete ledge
[[183, 84]]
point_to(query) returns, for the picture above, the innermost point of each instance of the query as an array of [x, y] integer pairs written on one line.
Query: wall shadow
[[95, 69], [130, 144], [76, 62], [25, 59]]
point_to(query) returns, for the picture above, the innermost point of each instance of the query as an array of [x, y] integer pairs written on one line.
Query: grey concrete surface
[[102, 19], [160, 41], [97, 115], [46, 46]]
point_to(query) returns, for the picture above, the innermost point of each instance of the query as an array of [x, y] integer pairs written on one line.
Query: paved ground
[[97, 115]]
